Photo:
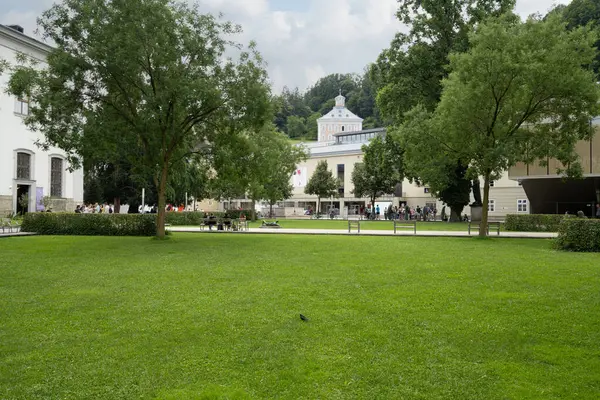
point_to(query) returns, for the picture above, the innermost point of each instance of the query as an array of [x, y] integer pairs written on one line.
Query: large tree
[[581, 13], [411, 70], [271, 162], [322, 183], [380, 170], [523, 92], [427, 160], [157, 67]]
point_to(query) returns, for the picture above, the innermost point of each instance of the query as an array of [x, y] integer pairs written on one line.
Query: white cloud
[[304, 43]]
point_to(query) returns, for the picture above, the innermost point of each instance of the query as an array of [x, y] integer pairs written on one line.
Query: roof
[[23, 39], [340, 114], [352, 133]]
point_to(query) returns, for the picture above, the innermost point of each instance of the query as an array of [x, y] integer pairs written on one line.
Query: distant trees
[[322, 183], [297, 113]]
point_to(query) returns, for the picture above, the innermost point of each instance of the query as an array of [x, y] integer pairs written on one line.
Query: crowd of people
[[95, 209], [402, 212]]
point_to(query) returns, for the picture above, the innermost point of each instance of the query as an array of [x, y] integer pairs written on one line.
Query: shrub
[[578, 234], [184, 218], [533, 222], [90, 224]]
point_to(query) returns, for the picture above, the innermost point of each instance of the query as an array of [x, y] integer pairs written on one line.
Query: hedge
[[90, 224], [533, 222], [579, 234]]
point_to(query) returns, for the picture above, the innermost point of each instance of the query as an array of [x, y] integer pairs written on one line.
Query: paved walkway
[[530, 235], [9, 234]]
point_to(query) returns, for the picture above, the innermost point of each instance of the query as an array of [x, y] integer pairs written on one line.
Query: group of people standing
[[403, 212], [95, 209]]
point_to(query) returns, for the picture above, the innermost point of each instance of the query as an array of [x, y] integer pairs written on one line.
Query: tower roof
[[340, 112]]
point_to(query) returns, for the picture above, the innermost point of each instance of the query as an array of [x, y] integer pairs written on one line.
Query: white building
[[26, 171], [340, 140], [338, 120]]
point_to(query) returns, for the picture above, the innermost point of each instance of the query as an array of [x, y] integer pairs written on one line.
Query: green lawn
[[217, 317], [366, 225]]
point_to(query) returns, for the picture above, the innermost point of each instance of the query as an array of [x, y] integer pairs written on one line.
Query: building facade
[[340, 141], [553, 194], [28, 174]]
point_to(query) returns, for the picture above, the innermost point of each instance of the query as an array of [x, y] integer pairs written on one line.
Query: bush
[[184, 218], [533, 222], [579, 234], [90, 224]]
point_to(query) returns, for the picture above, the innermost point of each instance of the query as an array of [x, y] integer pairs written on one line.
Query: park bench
[[401, 224], [495, 226], [353, 222]]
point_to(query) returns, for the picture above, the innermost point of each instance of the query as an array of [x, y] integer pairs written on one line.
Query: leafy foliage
[[381, 169], [519, 94], [148, 77], [411, 70], [322, 183], [577, 234], [89, 224], [428, 161]]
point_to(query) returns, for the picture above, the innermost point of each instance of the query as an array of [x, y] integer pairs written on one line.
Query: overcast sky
[[301, 40]]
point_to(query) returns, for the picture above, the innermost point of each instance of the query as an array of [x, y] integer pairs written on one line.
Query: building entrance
[[23, 199]]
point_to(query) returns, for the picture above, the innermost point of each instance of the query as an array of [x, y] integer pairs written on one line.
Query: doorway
[[23, 199]]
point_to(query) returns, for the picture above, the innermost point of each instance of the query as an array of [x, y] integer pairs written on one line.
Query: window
[[491, 205], [426, 190], [22, 106], [522, 205], [492, 183], [343, 128], [56, 175], [23, 166]]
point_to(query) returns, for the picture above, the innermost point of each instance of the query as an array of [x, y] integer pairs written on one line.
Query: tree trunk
[[270, 210], [253, 211], [117, 204], [485, 205], [456, 212], [318, 205], [455, 215], [160, 219]]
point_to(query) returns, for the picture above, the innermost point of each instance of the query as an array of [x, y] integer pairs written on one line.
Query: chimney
[[17, 28]]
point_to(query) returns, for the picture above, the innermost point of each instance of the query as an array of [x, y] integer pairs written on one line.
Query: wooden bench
[[353, 223], [495, 226], [400, 224]]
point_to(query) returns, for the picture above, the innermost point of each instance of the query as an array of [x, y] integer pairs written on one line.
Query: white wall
[[14, 135]]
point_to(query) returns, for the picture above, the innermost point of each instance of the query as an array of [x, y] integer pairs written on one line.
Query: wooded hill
[[297, 113]]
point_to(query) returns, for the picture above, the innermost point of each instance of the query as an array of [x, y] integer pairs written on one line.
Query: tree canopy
[[519, 94], [150, 76], [380, 170]]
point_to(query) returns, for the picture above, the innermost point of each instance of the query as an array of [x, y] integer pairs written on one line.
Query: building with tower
[[338, 120]]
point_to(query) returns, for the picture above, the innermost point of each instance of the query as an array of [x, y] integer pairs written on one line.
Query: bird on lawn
[[303, 318]]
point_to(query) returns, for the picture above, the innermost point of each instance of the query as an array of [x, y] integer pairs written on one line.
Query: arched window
[[23, 166], [56, 176], [343, 127]]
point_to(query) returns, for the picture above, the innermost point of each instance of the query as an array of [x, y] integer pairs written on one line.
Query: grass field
[[217, 317], [365, 225]]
